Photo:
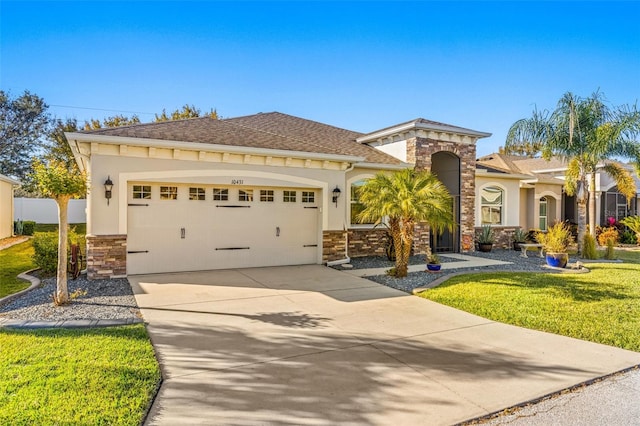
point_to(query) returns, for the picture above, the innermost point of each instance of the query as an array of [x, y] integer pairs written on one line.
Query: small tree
[[56, 181], [406, 197]]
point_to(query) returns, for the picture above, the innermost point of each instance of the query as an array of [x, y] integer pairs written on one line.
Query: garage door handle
[[137, 251], [277, 231], [183, 233], [232, 248]]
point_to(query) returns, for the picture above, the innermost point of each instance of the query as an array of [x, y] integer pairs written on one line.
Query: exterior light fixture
[[336, 194], [108, 187]]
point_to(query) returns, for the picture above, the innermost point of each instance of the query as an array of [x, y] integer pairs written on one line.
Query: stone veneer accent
[[362, 242], [503, 236], [419, 152], [106, 256]]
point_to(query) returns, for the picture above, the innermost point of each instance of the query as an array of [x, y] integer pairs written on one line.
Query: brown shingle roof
[[272, 130]]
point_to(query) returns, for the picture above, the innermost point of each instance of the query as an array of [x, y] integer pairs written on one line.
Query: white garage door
[[175, 227]]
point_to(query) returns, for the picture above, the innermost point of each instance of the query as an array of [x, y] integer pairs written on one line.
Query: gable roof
[[421, 124], [272, 130]]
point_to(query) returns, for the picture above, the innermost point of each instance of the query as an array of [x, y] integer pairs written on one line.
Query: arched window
[[491, 205], [356, 205], [542, 210]]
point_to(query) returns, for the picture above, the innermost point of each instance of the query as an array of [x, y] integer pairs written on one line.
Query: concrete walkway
[[463, 261], [312, 345]]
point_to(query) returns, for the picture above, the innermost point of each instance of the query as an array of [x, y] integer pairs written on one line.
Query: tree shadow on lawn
[[580, 288], [238, 376]]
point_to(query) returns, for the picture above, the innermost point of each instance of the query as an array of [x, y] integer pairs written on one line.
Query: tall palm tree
[[586, 133], [406, 197]]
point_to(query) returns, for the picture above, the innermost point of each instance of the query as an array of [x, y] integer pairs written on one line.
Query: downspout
[[346, 259]]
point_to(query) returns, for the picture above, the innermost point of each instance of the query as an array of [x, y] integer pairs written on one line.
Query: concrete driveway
[[312, 345]]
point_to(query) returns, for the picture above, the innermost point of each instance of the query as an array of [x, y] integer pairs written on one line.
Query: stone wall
[[503, 236], [367, 242], [333, 245], [106, 256], [362, 242], [420, 150]]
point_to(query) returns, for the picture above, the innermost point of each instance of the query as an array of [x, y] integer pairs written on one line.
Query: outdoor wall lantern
[[336, 195], [108, 187]]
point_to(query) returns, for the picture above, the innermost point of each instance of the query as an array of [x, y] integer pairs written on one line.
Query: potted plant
[[433, 262], [556, 242], [485, 239], [519, 237]]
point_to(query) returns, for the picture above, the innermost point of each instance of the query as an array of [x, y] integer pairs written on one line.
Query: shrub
[[486, 235], [633, 223], [557, 239], [28, 227], [628, 237], [45, 245], [609, 252], [610, 233], [589, 247]]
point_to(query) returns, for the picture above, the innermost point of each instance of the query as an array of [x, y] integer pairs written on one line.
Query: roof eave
[[12, 181], [196, 146], [415, 125], [383, 166]]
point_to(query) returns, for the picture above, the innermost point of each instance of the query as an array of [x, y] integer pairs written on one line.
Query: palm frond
[[624, 180]]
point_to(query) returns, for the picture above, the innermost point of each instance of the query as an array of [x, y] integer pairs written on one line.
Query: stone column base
[[106, 256]]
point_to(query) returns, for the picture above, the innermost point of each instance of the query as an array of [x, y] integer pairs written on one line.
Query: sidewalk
[[464, 261]]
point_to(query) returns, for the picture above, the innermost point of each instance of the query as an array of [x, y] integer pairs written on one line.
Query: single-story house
[[520, 192], [273, 189], [261, 190], [7, 186]]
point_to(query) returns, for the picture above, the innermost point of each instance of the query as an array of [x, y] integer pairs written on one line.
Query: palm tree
[[406, 197], [586, 133]]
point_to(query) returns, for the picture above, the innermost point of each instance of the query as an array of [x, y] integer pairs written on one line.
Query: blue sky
[[358, 65]]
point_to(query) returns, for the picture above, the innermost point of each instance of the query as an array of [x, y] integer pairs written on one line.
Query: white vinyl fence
[[45, 210]]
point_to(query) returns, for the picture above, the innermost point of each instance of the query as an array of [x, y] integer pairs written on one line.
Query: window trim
[[503, 204], [199, 192], [350, 202], [141, 192], [543, 201], [168, 195]]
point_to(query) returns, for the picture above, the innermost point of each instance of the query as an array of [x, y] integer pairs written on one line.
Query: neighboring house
[[261, 190], [514, 191], [6, 205]]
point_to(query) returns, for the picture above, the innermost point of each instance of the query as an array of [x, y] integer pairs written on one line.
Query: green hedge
[[26, 227], [45, 245]]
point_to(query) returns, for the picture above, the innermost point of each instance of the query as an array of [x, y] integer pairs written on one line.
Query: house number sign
[[237, 181]]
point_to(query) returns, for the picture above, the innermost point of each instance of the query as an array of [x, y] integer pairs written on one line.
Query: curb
[[31, 325], [35, 282]]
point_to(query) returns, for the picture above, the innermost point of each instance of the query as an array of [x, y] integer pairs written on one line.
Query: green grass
[[13, 261], [602, 306], [76, 376]]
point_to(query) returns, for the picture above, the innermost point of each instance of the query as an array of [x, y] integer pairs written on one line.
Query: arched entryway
[[446, 166]]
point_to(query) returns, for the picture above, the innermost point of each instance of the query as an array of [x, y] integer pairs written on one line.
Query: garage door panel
[[217, 236]]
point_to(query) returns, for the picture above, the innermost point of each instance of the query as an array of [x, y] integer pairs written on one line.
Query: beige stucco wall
[[6, 209], [106, 219], [511, 202]]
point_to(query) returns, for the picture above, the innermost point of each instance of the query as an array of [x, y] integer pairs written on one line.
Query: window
[[220, 194], [168, 192], [356, 205], [142, 192], [491, 199], [542, 222], [289, 196], [196, 194], [245, 195], [266, 195], [308, 197]]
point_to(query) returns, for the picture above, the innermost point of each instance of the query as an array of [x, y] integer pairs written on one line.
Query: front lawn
[[76, 376], [602, 306], [13, 261]]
